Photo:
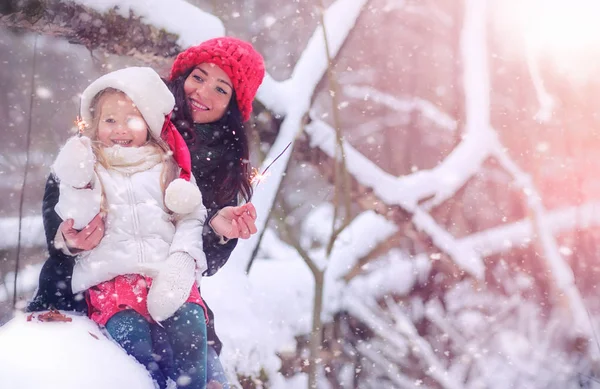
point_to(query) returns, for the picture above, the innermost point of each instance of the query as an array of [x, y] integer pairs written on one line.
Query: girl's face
[[120, 122], [208, 91]]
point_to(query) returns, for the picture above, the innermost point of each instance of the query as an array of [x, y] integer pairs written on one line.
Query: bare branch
[[341, 173]]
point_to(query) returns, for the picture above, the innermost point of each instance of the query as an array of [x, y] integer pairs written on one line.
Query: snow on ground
[[256, 316], [32, 232], [260, 314], [61, 355], [27, 281]]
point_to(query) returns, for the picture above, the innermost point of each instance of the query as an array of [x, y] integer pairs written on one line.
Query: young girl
[[214, 84], [143, 271]]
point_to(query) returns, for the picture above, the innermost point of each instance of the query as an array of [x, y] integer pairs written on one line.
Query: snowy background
[[455, 243]]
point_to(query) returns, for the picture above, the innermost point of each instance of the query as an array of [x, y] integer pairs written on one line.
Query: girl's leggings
[[215, 371], [186, 331], [162, 348]]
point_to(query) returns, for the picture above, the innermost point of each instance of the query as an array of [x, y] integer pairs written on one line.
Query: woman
[[214, 85]]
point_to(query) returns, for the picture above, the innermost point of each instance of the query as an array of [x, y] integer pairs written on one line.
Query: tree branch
[[82, 25]]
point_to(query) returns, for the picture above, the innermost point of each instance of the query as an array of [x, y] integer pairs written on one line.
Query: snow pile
[[63, 355]]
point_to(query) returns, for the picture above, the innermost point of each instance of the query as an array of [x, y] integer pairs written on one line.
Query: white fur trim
[[182, 196], [143, 86]]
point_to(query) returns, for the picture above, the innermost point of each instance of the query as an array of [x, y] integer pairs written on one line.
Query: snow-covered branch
[[109, 24], [295, 101], [562, 273], [404, 191], [351, 245], [191, 25], [441, 182], [464, 257], [504, 238], [544, 98], [407, 105]]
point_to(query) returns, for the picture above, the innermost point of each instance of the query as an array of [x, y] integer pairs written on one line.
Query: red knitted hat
[[238, 59]]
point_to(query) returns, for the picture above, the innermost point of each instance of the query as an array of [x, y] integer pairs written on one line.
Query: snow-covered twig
[[544, 98], [463, 256], [503, 238], [376, 323], [561, 272], [426, 108], [363, 309], [351, 245], [389, 368]]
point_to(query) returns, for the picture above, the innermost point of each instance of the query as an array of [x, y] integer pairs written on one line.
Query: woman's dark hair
[[232, 176]]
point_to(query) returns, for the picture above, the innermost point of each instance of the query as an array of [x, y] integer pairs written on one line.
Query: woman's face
[[208, 91], [120, 122]]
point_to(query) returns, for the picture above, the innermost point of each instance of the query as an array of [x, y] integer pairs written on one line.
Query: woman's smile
[[195, 105]]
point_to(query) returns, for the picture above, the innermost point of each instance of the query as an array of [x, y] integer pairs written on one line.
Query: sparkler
[[257, 177], [81, 125]]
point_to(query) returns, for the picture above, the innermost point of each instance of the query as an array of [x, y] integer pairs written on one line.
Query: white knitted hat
[[143, 86], [154, 101]]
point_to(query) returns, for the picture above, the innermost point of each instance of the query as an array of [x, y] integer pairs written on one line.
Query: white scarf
[[129, 160]]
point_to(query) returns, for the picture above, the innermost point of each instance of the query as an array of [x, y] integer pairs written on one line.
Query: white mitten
[[172, 286], [74, 165]]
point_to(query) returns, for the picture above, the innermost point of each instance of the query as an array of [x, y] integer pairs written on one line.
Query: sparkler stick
[[258, 177]]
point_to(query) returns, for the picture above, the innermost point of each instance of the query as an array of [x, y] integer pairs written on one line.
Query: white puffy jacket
[[140, 232]]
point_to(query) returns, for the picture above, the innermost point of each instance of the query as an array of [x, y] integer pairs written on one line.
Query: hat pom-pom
[[182, 196]]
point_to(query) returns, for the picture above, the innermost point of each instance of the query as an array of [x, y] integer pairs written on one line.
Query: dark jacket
[[54, 288]]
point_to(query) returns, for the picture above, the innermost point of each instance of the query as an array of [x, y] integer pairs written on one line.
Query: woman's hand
[[86, 239], [235, 222]]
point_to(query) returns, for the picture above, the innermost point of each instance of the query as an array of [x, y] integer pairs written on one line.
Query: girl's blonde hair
[[170, 168]]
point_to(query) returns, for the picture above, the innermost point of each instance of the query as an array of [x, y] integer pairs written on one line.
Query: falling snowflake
[[43, 93]]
